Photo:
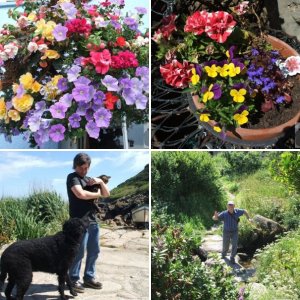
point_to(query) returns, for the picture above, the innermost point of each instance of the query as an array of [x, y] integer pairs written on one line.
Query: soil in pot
[[279, 115]]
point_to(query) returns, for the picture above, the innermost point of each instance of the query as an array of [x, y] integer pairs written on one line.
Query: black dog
[[50, 254]]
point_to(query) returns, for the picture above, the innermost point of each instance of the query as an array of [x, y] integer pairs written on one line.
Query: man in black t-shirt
[[79, 205]]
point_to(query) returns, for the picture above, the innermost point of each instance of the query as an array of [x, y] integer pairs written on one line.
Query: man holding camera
[[230, 217]]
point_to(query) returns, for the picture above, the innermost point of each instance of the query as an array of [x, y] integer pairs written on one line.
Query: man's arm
[[104, 188], [247, 215], [82, 194]]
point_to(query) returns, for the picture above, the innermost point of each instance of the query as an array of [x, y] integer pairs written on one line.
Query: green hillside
[[136, 184]]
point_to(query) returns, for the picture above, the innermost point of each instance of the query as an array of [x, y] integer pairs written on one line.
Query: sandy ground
[[123, 269]]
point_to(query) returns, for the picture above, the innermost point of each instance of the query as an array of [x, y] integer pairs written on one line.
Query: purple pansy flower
[[74, 120], [56, 132], [216, 89], [60, 32], [62, 84], [58, 110], [111, 83], [92, 129], [102, 117]]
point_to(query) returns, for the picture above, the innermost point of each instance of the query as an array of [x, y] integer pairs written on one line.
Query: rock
[[256, 290], [202, 254], [268, 225], [212, 243], [244, 256]]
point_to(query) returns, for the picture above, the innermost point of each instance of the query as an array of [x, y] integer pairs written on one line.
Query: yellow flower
[[241, 118], [224, 71], [217, 129], [36, 87], [211, 71], [51, 54], [195, 78], [208, 95], [204, 117], [32, 17], [55, 79], [45, 29], [14, 115], [15, 87], [233, 70], [23, 103], [238, 95], [27, 81], [2, 109], [227, 54]]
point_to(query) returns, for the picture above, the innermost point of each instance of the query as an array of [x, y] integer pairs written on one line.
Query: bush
[[278, 265], [176, 273], [188, 183], [46, 206]]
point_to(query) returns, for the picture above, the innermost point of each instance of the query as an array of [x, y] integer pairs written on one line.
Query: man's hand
[[216, 216], [250, 220], [93, 181]]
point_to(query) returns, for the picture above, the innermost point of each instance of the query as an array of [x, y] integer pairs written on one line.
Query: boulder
[[202, 254], [268, 225]]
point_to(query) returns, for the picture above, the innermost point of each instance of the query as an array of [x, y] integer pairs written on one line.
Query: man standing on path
[[230, 217], [80, 205]]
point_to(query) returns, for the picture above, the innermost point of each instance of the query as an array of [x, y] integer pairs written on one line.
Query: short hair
[[81, 159]]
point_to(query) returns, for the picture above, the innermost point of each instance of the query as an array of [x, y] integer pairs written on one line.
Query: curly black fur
[[50, 254]]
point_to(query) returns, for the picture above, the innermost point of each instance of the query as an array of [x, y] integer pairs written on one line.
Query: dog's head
[[75, 228]]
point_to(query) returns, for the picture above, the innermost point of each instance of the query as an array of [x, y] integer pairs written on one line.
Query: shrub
[[278, 265]]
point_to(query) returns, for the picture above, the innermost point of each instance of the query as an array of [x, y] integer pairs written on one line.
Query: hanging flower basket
[[72, 69]]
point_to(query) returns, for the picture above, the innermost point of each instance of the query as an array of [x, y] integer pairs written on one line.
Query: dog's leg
[[70, 286], [61, 286], [22, 286], [9, 288]]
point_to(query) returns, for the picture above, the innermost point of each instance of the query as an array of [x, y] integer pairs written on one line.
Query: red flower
[[176, 74], [196, 23], [121, 42], [110, 100], [219, 26], [124, 60], [78, 26], [168, 27], [101, 61]]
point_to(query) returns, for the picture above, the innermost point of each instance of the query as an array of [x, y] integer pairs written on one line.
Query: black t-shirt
[[78, 207]]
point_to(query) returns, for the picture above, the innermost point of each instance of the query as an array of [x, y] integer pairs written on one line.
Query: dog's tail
[[3, 274]]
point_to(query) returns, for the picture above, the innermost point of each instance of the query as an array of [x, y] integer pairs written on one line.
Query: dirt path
[[123, 269]]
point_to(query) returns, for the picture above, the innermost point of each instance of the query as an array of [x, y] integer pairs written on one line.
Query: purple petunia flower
[[102, 117], [74, 120], [62, 84], [144, 71], [111, 83], [60, 32], [82, 81], [141, 10], [66, 99], [42, 135], [34, 121], [131, 23], [69, 9], [56, 133], [58, 110], [82, 108], [125, 83], [92, 129], [89, 114], [73, 73], [141, 102], [99, 97], [81, 93], [20, 91], [40, 106], [116, 24]]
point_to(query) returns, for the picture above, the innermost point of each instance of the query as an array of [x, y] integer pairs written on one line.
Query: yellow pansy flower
[[32, 17], [23, 103], [217, 129], [211, 71], [51, 54], [238, 95], [27, 80], [223, 71], [241, 118], [233, 70], [14, 115], [204, 117], [195, 78], [208, 95], [2, 109], [36, 87], [227, 54], [45, 29]]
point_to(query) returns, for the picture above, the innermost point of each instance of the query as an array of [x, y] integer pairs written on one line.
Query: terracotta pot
[[266, 133]]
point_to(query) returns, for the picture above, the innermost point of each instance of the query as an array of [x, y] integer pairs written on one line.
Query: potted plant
[[72, 68], [243, 84]]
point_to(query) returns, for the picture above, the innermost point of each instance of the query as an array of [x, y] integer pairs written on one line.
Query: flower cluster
[[84, 66], [233, 74]]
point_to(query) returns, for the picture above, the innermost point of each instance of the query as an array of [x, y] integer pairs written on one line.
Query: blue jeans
[[227, 236], [90, 242]]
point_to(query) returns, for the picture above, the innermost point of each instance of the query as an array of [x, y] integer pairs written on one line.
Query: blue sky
[[22, 171]]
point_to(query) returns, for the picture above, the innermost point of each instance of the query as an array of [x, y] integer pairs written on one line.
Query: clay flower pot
[[258, 135]]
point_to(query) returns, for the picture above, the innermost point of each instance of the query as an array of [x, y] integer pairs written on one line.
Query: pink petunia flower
[[292, 64]]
